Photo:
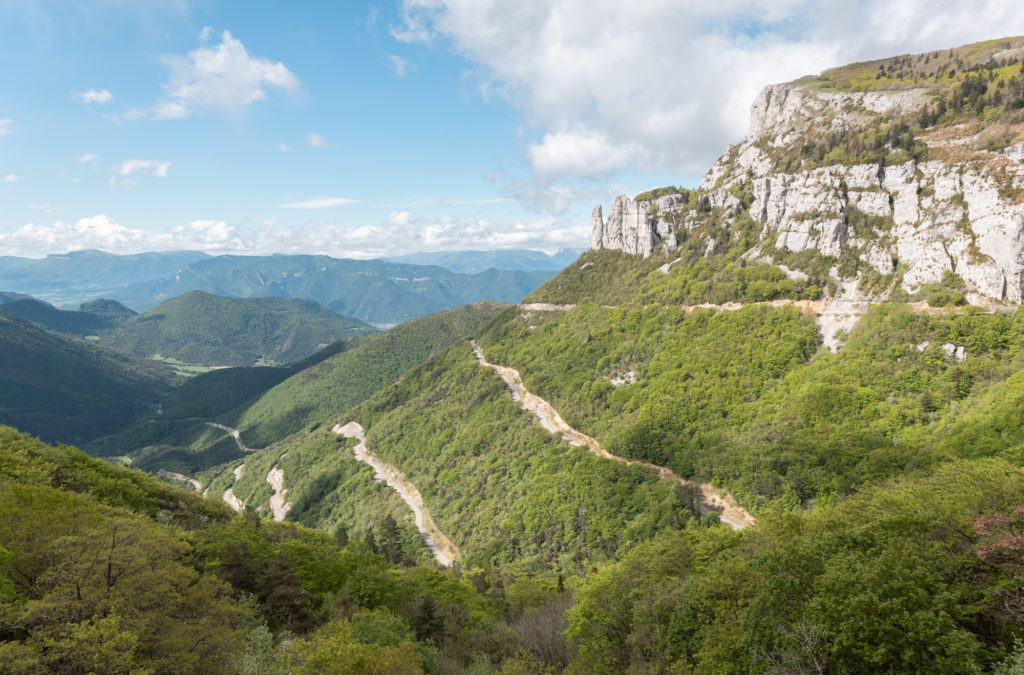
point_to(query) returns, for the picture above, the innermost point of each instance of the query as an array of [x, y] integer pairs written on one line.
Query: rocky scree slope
[[891, 173]]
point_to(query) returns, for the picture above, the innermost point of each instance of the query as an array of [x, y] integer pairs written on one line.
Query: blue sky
[[365, 129]]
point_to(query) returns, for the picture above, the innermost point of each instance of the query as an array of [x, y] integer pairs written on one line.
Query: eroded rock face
[[629, 227], [925, 218]]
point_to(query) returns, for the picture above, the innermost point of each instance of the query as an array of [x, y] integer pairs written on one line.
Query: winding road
[[443, 549], [182, 477], [229, 494], [278, 506], [233, 432], [716, 500]]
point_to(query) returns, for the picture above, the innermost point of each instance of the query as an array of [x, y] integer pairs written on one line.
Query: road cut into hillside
[[833, 317], [715, 499], [229, 494], [278, 506], [443, 549], [233, 432], [182, 477]]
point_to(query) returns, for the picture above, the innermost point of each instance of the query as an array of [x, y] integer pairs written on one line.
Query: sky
[[362, 130]]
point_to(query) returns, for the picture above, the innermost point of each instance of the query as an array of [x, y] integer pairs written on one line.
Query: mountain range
[[374, 291]]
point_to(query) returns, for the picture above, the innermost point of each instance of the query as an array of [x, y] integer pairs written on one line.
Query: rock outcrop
[[962, 211], [634, 226]]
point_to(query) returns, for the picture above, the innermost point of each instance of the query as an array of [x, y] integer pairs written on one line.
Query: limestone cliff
[[912, 178]]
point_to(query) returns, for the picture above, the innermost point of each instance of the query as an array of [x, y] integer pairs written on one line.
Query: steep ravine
[[715, 499], [443, 549]]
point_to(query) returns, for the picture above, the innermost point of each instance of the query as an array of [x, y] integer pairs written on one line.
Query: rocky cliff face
[[634, 227], [959, 208]]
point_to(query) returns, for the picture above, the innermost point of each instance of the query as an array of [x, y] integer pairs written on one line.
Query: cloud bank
[[400, 233]]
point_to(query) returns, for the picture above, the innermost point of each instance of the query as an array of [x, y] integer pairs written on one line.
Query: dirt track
[[715, 499], [443, 549]]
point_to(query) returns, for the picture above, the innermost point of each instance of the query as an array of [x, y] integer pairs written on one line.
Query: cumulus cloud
[[99, 96], [11, 178], [87, 158], [667, 84], [401, 232], [222, 77], [316, 141], [579, 151], [99, 231], [321, 203], [209, 235], [146, 167], [6, 125], [282, 146]]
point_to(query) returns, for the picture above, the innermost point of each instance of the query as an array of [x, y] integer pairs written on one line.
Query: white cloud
[[45, 208], [223, 77], [87, 158], [283, 147], [316, 141], [668, 83], [99, 231], [146, 167], [209, 235], [99, 96], [402, 232], [6, 125], [321, 203], [10, 178], [400, 65], [579, 151], [165, 110]]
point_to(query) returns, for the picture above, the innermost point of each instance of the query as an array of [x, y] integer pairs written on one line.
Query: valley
[[768, 424]]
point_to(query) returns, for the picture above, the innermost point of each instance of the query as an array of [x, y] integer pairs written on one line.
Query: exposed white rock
[[931, 217], [629, 227]]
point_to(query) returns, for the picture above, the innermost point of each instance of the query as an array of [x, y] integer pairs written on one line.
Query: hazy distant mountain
[[472, 262], [375, 291], [7, 296], [72, 278]]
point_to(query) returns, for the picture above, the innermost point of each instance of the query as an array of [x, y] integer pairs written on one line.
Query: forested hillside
[[202, 328], [68, 390], [268, 404], [103, 569], [99, 316]]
